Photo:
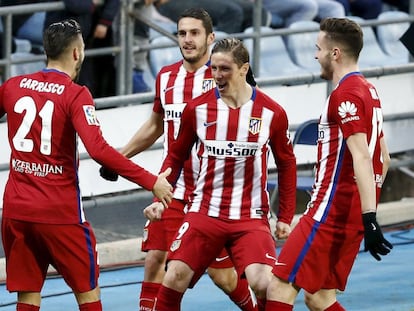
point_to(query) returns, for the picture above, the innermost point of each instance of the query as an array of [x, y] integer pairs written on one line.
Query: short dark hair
[[200, 14], [58, 36], [235, 47], [345, 32]]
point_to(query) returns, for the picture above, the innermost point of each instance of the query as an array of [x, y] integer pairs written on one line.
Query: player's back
[[43, 166]]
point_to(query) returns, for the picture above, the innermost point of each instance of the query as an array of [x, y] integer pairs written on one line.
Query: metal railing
[[124, 48], [7, 12]]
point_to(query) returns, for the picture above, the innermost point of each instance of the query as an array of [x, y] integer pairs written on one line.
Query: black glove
[[375, 242], [108, 174]]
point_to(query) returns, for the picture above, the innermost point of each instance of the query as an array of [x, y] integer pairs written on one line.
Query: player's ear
[[75, 53], [245, 68], [335, 52], [210, 38], [77, 49]]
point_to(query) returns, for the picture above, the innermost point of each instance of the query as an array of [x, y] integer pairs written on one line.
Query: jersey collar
[[353, 73]]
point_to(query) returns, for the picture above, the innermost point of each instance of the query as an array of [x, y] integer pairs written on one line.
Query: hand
[[282, 230], [374, 242], [100, 31], [162, 188], [154, 211], [108, 174]]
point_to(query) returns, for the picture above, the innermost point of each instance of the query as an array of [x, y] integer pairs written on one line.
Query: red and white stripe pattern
[[175, 87], [233, 154]]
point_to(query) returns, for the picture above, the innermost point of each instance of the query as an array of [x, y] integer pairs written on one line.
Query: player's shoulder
[[202, 99], [44, 80], [171, 67], [210, 95], [353, 83], [353, 88], [16, 80]]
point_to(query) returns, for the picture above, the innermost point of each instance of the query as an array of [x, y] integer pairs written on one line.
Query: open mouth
[[221, 86], [188, 48]]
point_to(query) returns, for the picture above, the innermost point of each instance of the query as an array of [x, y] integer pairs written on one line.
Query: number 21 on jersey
[[27, 105]]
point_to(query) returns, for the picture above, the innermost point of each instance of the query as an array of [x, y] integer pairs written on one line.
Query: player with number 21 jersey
[[45, 110]]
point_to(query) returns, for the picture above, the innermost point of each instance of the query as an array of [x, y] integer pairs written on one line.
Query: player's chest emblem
[[208, 84], [255, 125]]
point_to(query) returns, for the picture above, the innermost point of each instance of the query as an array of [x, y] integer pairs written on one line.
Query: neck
[[238, 97], [193, 67], [343, 71], [60, 67]]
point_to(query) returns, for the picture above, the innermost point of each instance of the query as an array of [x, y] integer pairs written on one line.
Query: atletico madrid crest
[[254, 125], [208, 84]]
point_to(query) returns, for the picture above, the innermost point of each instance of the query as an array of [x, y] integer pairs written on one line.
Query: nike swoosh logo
[[218, 259], [171, 87], [279, 264], [270, 257], [207, 124]]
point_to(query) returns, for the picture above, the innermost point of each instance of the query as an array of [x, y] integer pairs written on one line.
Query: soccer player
[[176, 85], [352, 164], [236, 126], [43, 220]]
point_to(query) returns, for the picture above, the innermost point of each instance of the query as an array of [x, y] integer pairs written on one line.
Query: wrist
[[369, 220], [369, 211]]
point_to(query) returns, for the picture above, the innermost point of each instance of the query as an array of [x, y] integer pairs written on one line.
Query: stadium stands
[[301, 46], [372, 55], [168, 26], [163, 56], [23, 51], [275, 60], [389, 35]]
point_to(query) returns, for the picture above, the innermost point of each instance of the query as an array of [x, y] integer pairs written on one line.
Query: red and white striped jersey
[[233, 153], [175, 87], [46, 111], [353, 107]]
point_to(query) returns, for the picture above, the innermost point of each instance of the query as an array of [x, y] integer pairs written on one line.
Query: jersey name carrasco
[[46, 111]]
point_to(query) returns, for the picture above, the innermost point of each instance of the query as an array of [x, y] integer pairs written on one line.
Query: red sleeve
[[180, 149], [87, 126], [347, 110], [286, 166]]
